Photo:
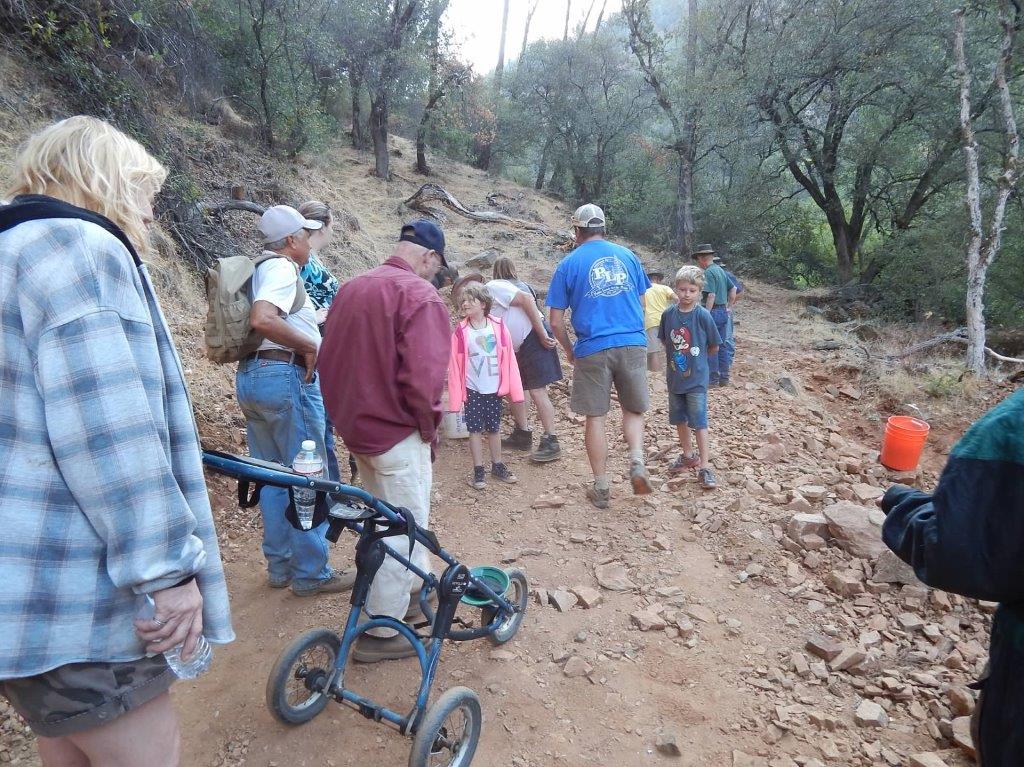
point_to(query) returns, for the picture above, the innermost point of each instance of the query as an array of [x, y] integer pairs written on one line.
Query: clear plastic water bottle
[[309, 464], [197, 663]]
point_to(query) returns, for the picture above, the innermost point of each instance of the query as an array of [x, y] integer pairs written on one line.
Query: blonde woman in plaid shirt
[[102, 496]]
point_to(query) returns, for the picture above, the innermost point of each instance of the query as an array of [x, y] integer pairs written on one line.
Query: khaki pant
[[402, 476]]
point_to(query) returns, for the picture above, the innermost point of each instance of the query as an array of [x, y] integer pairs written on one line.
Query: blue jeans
[[690, 408], [333, 470], [281, 411], [719, 364]]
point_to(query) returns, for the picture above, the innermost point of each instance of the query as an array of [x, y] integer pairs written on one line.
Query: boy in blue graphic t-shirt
[[691, 339]]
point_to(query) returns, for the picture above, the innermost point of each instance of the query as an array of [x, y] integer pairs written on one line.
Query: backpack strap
[[300, 286], [38, 207]]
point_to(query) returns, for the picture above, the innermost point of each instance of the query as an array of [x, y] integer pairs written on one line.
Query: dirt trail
[[708, 688]]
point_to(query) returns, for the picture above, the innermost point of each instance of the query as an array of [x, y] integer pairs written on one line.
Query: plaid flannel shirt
[[102, 494]]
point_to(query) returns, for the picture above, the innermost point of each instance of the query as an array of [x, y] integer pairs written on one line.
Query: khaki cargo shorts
[[655, 352], [81, 696], [593, 376]]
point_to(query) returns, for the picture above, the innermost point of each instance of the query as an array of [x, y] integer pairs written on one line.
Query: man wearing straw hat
[[716, 301]]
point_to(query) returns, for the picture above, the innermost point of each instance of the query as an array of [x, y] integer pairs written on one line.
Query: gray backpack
[[229, 336]]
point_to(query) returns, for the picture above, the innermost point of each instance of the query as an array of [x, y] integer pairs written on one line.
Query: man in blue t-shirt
[[603, 284]]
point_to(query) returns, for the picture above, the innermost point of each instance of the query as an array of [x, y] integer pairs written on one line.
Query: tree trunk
[[379, 134], [976, 266], [568, 11], [684, 203], [499, 70], [542, 170], [358, 134], [421, 145]]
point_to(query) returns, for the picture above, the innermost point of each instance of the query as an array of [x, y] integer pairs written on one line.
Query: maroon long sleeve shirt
[[384, 358]]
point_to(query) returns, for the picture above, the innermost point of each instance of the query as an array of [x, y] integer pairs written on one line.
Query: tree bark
[[542, 170], [379, 134], [355, 82], [499, 70], [982, 247]]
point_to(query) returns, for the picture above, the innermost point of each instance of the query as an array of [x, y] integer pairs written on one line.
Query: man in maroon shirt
[[382, 366]]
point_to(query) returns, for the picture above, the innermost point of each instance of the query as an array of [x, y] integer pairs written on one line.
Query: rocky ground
[[759, 624]]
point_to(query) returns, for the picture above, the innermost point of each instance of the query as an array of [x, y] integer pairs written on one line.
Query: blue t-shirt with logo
[[601, 283], [687, 336]]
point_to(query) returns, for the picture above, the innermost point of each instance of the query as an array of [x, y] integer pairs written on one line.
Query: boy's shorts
[[690, 408], [482, 413], [81, 696], [593, 376]]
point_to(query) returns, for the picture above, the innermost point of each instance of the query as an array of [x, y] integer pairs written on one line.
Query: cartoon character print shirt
[[687, 337], [482, 374]]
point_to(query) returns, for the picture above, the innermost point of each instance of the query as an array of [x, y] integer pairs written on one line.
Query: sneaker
[[479, 480], [371, 649], [599, 496], [547, 450], [706, 477], [519, 439], [279, 581], [639, 479], [684, 462], [337, 583], [502, 473], [723, 382]]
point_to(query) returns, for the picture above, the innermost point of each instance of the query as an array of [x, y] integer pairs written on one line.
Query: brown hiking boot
[[639, 479], [519, 439], [337, 583], [371, 649], [548, 449], [599, 496]]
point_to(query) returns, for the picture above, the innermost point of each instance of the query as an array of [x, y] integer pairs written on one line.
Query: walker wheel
[[449, 732], [296, 687], [518, 594]]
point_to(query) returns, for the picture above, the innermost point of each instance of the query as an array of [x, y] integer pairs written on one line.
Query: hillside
[[706, 642]]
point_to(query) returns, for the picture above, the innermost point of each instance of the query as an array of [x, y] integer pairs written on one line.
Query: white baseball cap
[[282, 220], [588, 216]]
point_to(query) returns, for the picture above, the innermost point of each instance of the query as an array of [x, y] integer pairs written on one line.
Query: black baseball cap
[[426, 234]]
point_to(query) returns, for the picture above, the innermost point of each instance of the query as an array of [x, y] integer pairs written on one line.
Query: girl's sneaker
[[684, 462], [706, 477], [501, 472], [479, 480]]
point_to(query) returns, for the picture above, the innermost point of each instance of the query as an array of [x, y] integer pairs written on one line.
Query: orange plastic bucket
[[903, 443]]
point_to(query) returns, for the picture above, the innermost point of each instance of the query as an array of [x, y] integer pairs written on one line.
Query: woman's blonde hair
[[691, 274], [504, 269], [317, 211], [91, 164]]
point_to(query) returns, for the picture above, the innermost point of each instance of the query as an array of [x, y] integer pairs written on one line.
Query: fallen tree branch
[[431, 192], [207, 208], [958, 336]]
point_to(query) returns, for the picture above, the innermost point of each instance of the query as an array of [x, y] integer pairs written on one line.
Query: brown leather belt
[[278, 355]]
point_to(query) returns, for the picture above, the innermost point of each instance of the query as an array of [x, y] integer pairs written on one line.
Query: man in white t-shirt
[[279, 393], [538, 365]]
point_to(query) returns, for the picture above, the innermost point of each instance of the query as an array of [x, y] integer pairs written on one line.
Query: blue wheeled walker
[[311, 670]]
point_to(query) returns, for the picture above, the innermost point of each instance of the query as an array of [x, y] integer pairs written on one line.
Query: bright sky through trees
[[477, 25]]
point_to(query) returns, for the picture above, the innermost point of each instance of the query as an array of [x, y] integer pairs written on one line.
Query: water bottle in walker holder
[[309, 464]]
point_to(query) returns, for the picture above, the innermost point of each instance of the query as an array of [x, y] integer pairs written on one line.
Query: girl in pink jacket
[[481, 370]]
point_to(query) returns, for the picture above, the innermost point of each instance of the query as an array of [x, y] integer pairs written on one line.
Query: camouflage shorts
[[81, 696]]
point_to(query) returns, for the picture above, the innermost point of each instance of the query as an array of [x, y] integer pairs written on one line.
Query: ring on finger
[[159, 622]]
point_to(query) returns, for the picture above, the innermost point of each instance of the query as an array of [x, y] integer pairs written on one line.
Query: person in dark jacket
[[968, 538]]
